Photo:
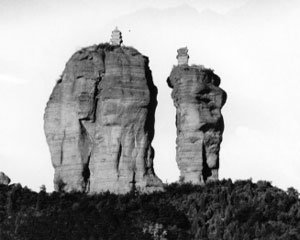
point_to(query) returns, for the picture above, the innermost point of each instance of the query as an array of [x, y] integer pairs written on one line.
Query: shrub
[[218, 210]]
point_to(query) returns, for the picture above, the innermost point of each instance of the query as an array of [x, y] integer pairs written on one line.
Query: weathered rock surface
[[99, 122], [4, 179], [198, 101]]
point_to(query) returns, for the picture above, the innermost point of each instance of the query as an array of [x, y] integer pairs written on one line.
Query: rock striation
[[4, 179], [99, 122], [198, 100]]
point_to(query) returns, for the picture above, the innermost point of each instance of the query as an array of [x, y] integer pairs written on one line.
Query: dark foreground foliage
[[222, 210]]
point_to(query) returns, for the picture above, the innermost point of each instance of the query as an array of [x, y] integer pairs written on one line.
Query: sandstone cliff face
[[4, 179], [99, 122], [198, 101]]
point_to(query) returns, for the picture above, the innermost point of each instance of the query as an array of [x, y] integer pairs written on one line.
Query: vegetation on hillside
[[221, 210]]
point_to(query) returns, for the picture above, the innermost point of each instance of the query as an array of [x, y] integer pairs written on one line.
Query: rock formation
[[99, 122], [198, 101], [4, 179]]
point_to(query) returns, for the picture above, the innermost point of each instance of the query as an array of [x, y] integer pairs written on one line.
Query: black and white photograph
[[149, 120]]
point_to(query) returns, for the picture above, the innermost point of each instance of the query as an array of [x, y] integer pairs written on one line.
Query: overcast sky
[[253, 45]]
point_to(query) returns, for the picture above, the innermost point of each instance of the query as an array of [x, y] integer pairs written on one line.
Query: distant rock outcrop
[[4, 179], [99, 122], [198, 101]]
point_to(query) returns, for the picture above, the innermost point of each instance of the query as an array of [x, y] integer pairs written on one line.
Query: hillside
[[219, 210]]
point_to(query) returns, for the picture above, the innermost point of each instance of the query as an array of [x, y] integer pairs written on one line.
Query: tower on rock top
[[198, 100], [99, 122], [182, 56], [116, 37]]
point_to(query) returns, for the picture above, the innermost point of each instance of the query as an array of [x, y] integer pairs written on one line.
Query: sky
[[253, 45]]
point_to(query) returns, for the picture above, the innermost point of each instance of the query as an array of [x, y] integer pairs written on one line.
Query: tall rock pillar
[[99, 121], [198, 100]]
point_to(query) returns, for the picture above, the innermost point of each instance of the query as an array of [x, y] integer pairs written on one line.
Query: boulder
[[4, 179]]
